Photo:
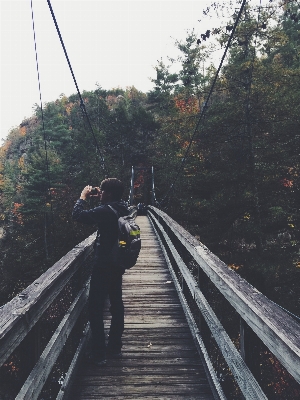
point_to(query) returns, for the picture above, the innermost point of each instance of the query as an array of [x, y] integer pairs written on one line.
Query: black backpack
[[128, 246]]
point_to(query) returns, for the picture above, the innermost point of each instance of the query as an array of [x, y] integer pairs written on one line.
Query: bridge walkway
[[159, 358]]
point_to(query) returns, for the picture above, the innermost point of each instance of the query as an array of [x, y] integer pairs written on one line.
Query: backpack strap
[[115, 211]]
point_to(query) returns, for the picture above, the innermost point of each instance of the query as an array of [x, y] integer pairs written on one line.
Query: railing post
[[204, 329], [153, 188], [250, 349], [131, 186]]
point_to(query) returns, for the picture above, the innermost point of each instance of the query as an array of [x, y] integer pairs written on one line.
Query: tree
[[192, 60], [164, 87]]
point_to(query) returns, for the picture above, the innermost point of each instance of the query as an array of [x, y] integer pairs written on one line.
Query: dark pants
[[105, 281]]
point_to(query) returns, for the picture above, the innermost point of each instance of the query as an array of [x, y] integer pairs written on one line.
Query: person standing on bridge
[[106, 277]]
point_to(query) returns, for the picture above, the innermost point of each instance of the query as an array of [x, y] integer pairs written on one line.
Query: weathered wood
[[152, 396], [149, 379], [38, 376], [250, 347], [278, 331], [210, 372], [159, 358], [19, 315], [70, 376], [140, 389], [145, 369], [204, 329], [243, 376], [137, 360]]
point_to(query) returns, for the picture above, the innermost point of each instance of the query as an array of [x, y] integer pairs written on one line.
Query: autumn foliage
[[237, 189]]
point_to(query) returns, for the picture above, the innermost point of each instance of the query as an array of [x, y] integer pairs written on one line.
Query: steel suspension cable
[[44, 132], [205, 104], [82, 105]]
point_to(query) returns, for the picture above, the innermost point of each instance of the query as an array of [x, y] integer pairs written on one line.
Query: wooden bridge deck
[[160, 360]]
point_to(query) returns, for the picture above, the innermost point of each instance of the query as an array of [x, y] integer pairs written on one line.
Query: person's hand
[[86, 192], [98, 192]]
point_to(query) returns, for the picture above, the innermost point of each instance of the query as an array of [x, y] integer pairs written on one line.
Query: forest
[[232, 179]]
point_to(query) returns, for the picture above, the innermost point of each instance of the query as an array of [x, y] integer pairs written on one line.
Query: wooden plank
[[146, 378], [145, 369], [210, 372], [159, 357], [38, 376], [243, 376], [279, 332], [152, 396], [158, 347], [19, 315], [129, 361], [66, 386], [161, 333], [139, 388]]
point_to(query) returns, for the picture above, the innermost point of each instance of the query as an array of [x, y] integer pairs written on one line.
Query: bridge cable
[[44, 135], [294, 316], [154, 200], [82, 105], [163, 202]]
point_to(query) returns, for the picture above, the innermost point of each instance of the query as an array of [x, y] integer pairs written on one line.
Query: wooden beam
[[19, 315], [38, 376], [278, 331], [74, 366], [210, 372], [243, 376]]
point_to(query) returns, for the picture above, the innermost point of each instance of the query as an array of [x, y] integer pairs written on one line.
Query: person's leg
[[117, 312], [97, 295]]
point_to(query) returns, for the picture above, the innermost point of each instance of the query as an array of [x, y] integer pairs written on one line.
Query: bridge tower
[[142, 188]]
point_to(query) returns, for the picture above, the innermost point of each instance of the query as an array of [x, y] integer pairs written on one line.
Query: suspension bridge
[[177, 344]]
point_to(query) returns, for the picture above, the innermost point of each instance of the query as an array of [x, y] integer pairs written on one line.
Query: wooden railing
[[44, 329], [21, 333], [33, 346], [195, 269]]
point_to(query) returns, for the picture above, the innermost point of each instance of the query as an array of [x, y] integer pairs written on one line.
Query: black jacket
[[105, 219]]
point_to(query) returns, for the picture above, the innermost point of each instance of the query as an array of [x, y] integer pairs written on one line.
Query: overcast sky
[[114, 43]]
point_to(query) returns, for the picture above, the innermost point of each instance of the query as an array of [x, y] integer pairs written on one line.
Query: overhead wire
[[48, 179], [294, 316], [82, 105], [205, 105]]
